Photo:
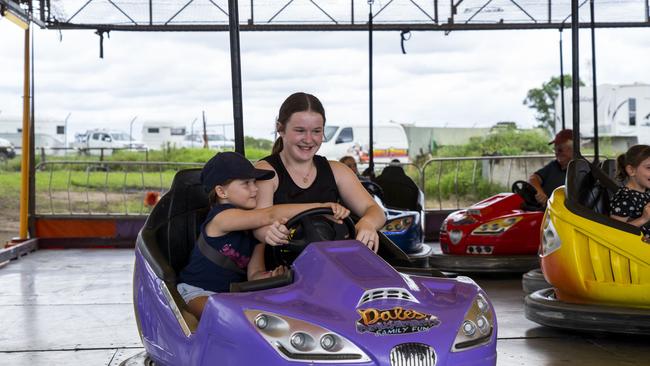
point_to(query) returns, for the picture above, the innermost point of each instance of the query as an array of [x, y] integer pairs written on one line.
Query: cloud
[[463, 78]]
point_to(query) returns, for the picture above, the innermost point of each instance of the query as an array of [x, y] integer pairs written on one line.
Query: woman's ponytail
[[277, 146]]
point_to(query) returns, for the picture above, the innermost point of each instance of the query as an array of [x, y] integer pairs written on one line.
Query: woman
[[304, 177]]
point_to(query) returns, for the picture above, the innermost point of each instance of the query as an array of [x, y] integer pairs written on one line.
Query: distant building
[[623, 113], [159, 134], [424, 140], [49, 133]]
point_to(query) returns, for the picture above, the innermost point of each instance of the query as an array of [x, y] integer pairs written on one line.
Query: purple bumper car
[[339, 304]]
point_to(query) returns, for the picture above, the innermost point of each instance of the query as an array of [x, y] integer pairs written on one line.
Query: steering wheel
[[527, 192], [310, 226]]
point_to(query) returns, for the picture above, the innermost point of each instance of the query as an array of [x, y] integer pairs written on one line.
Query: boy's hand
[[278, 271], [278, 234], [339, 211]]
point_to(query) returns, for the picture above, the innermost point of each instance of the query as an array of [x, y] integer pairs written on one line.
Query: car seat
[[400, 191], [588, 191], [173, 225]]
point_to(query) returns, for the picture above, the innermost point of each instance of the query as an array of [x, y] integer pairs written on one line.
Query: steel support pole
[[575, 65], [593, 82], [562, 81], [235, 67], [25, 148], [371, 159]]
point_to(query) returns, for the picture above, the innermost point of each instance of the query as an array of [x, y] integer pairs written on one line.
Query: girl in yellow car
[[631, 203]]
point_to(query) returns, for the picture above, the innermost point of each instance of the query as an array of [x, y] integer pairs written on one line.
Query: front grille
[[412, 354], [386, 293]]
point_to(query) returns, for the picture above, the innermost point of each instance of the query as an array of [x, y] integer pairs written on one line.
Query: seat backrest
[[588, 192], [608, 167], [173, 225], [400, 191]]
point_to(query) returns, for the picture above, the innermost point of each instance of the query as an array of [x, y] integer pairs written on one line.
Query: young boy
[[229, 178]]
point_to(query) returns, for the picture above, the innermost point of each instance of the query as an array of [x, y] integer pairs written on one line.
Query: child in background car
[[226, 250], [631, 203]]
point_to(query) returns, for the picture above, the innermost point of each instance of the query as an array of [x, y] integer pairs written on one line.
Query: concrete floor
[[74, 307]]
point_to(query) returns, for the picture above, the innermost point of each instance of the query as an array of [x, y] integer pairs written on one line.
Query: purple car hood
[[336, 281]]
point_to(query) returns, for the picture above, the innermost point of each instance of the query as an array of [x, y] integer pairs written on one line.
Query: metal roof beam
[[340, 27]]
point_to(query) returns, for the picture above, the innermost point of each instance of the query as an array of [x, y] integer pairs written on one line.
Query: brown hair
[[633, 157], [296, 102], [213, 199]]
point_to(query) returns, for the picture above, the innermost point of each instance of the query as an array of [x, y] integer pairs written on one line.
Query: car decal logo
[[394, 321], [455, 236]]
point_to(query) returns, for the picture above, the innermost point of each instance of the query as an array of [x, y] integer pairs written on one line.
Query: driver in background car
[[226, 251], [553, 174]]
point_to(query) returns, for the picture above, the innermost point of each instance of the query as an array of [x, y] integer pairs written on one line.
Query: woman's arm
[[359, 201]]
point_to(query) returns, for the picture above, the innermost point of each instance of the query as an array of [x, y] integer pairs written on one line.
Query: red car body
[[496, 226]]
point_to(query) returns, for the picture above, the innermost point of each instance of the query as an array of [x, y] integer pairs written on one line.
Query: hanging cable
[[100, 33], [405, 35]]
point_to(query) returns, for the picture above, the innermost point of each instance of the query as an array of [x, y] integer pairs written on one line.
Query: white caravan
[[389, 142], [623, 113], [158, 135]]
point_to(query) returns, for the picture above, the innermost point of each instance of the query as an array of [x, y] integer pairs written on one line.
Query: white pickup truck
[[7, 150], [96, 142]]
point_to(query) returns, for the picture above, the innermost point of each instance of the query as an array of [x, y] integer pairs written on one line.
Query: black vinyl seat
[[588, 192], [171, 230], [400, 191]]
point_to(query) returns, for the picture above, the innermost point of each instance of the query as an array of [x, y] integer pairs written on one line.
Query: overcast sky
[[461, 79]]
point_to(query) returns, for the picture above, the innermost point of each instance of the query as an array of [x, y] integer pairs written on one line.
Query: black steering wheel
[[527, 192], [311, 226]]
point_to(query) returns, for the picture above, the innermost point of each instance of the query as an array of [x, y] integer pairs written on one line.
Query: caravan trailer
[[623, 113], [158, 135]]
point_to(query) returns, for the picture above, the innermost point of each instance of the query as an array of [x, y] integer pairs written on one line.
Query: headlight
[[496, 227], [399, 224], [476, 328], [550, 240], [443, 227], [301, 341]]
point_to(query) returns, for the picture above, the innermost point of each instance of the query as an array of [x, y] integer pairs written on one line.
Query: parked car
[[93, 141], [215, 141], [7, 150], [340, 303]]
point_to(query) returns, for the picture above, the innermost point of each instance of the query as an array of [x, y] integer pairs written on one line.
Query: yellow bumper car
[[599, 267]]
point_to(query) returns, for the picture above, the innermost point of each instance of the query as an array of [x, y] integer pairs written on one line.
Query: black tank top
[[323, 189]]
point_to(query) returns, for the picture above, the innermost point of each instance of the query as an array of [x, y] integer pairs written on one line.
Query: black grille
[[412, 354]]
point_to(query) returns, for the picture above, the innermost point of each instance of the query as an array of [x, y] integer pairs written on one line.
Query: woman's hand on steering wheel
[[339, 212], [367, 234], [278, 234]]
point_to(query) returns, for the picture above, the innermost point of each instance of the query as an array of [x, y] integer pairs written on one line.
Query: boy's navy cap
[[229, 165]]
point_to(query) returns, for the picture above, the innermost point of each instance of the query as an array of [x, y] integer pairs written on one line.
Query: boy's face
[[242, 193]]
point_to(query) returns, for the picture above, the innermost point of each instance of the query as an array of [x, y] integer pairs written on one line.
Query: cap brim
[[263, 174]]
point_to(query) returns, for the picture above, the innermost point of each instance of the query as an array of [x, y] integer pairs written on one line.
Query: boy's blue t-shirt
[[237, 245]]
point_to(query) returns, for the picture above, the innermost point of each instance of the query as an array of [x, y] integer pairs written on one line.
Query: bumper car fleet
[[339, 304]]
